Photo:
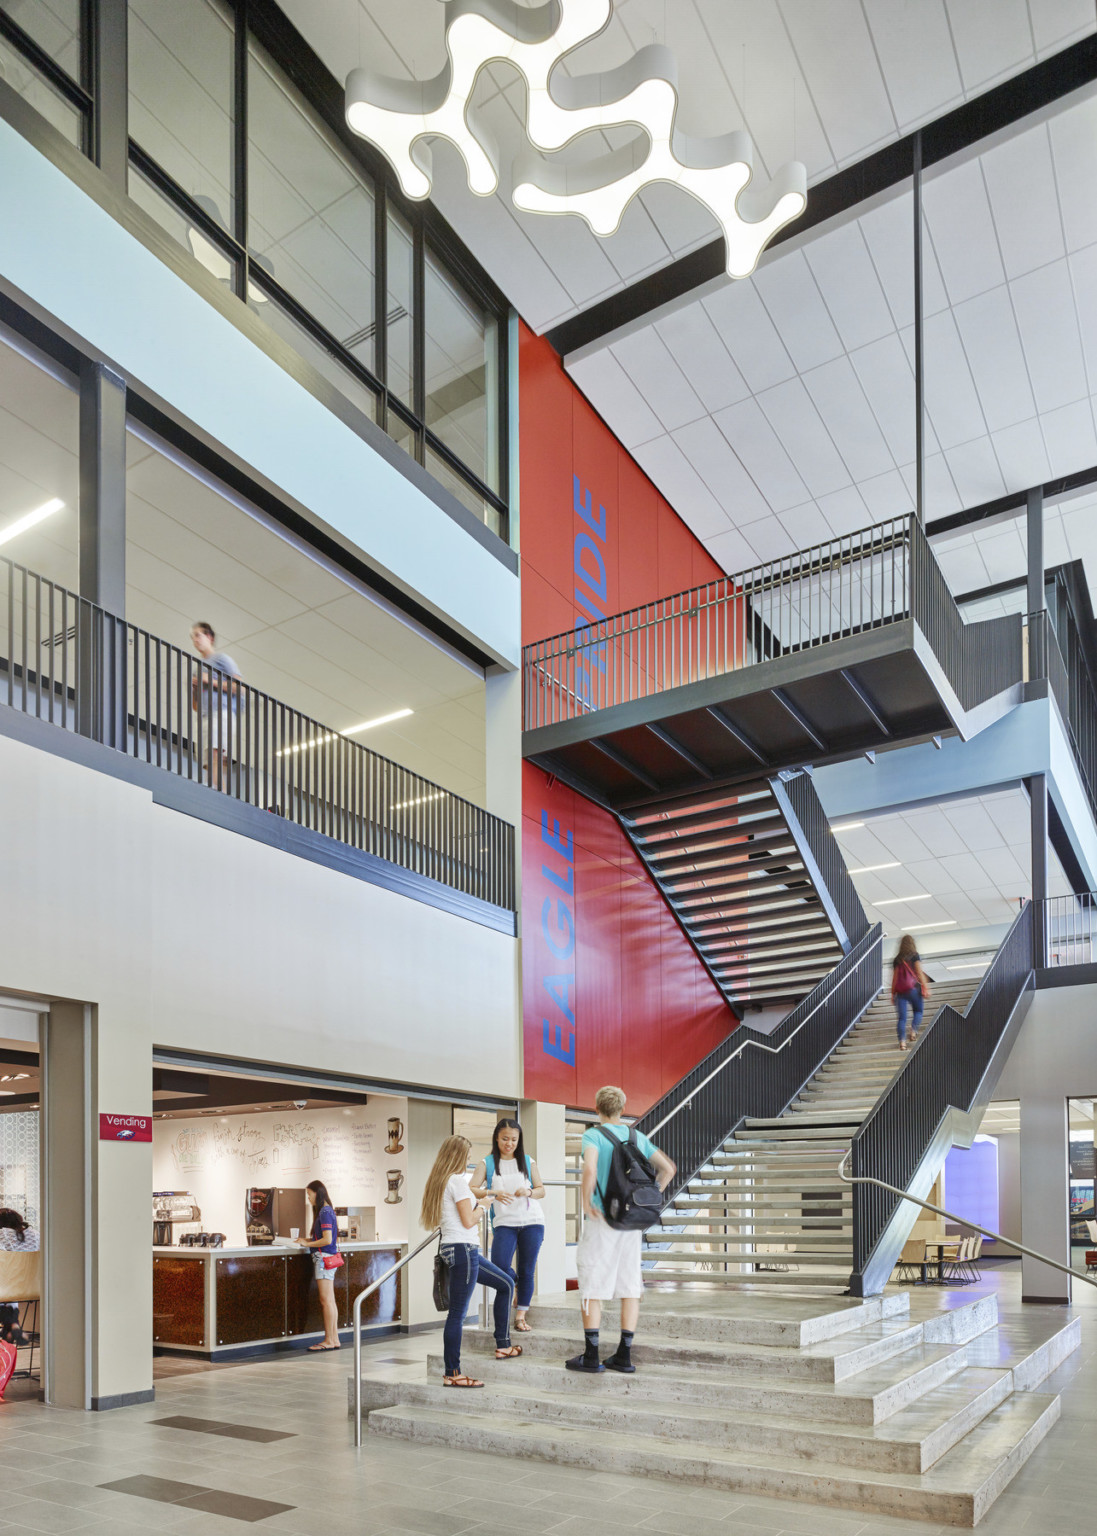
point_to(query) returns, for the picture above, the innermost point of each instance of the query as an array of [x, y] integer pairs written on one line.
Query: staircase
[[768, 1208], [756, 881], [867, 1405]]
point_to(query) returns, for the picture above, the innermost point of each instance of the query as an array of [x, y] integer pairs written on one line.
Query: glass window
[[305, 343], [22, 76], [466, 494], [399, 310], [55, 27], [310, 210], [461, 373], [180, 95]]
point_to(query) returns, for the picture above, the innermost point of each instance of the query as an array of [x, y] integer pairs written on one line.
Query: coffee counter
[[219, 1302]]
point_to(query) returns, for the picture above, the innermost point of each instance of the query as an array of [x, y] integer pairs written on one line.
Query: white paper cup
[[294, 1234]]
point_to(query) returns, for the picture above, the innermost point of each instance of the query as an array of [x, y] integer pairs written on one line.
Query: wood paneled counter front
[[220, 1301]]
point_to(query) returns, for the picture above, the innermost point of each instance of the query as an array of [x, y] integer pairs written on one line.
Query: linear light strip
[[31, 520]]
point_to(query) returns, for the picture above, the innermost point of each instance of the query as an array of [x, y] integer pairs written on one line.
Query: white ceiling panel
[[991, 40], [1074, 146], [848, 418], [992, 345], [1029, 226], [1048, 320], [959, 223], [887, 231], [914, 48], [601, 377], [846, 511], [952, 401], [793, 417], [975, 472], [1022, 455], [794, 304], [850, 286], [834, 49], [762, 454], [658, 377], [750, 335], [705, 446], [668, 465], [1058, 22], [692, 340], [1069, 437], [887, 379]]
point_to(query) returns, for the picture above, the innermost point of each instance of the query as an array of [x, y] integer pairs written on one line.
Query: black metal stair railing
[[73, 665], [810, 828], [948, 1070], [758, 1076]]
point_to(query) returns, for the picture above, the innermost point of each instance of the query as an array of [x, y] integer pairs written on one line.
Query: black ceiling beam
[[683, 752], [1016, 501], [1001, 107], [626, 763], [740, 735], [805, 725], [861, 693]]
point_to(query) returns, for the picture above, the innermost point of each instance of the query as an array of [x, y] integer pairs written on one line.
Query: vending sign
[[125, 1127]]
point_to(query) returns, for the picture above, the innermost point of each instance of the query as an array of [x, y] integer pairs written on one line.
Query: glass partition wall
[[237, 147]]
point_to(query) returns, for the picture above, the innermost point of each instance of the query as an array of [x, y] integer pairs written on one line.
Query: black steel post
[[108, 69], [919, 340], [1037, 600], [1037, 793], [101, 648]]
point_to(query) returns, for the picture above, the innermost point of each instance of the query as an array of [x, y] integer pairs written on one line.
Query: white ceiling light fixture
[[870, 869], [351, 730], [949, 922], [847, 826], [31, 519], [897, 901], [398, 115]]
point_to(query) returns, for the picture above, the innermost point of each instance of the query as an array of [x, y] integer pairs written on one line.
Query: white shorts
[[608, 1263]]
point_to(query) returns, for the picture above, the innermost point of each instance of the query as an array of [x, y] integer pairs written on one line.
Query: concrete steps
[[857, 1405]]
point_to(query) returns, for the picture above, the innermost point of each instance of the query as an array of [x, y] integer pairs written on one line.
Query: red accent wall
[[613, 991]]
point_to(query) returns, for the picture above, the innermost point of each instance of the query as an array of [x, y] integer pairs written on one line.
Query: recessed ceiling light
[[39, 515], [917, 927], [847, 826], [868, 869], [895, 901], [351, 730], [972, 965]]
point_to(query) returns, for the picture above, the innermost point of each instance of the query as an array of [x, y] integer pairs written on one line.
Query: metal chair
[[21, 1283], [911, 1266]]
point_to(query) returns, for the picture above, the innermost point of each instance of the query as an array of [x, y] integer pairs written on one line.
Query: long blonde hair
[[453, 1156]]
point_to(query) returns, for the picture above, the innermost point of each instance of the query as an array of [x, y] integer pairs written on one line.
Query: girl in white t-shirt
[[448, 1203], [517, 1216]]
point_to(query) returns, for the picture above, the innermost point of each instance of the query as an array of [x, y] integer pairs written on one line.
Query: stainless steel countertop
[[286, 1249]]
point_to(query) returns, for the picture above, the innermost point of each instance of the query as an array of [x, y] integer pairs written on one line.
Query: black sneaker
[[581, 1363]]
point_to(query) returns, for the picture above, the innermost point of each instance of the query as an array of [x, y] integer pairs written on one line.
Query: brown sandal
[[460, 1381], [509, 1354], [521, 1326]]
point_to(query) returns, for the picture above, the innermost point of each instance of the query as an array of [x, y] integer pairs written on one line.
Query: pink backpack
[[904, 979], [8, 1357]]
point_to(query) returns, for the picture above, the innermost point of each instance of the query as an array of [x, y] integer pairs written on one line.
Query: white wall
[[1055, 1058], [196, 937], [218, 1158], [66, 254]]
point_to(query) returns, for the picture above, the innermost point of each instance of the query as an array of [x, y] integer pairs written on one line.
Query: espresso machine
[[175, 1215]]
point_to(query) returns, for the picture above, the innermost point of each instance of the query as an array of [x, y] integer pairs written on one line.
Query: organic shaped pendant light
[[399, 115]]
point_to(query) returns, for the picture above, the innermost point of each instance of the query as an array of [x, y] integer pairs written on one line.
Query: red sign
[[125, 1127]]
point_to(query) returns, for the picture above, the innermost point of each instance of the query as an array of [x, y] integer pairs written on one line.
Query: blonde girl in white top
[[518, 1217], [449, 1203]]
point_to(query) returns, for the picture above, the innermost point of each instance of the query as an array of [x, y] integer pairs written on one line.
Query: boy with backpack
[[624, 1176]]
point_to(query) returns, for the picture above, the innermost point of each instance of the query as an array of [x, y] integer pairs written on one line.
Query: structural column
[[1037, 598], [429, 1123], [101, 637], [543, 1133], [96, 1202]]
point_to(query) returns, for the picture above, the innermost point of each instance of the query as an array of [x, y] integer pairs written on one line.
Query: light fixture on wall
[[398, 115], [31, 519]]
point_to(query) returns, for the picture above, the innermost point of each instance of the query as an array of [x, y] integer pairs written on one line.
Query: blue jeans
[[914, 998], [467, 1269], [527, 1240]]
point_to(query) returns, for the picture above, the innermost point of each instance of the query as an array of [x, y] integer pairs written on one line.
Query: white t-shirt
[[522, 1212], [453, 1228]]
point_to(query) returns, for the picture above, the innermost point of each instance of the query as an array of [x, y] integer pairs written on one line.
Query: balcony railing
[[72, 664], [1068, 930], [1069, 682], [847, 586]]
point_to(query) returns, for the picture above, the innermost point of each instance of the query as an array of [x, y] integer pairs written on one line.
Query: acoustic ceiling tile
[[731, 551], [975, 471], [887, 232], [806, 525], [1024, 203], [835, 52], [991, 40], [710, 453], [769, 539], [992, 346], [693, 342], [1083, 276], [851, 290], [1069, 437], [613, 394], [680, 482], [964, 569], [794, 304], [1022, 456], [1048, 320], [793, 417], [1003, 552], [952, 401], [749, 334], [885, 495], [959, 223], [762, 453], [845, 511], [915, 50], [846, 413], [658, 378], [1074, 148], [887, 379], [1058, 22]]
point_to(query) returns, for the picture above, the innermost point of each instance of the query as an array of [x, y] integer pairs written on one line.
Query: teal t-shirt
[[592, 1137]]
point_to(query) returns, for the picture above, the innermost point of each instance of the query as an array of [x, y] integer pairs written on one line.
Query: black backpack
[[632, 1199]]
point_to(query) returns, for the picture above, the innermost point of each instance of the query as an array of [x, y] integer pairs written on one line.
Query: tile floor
[[68, 1472]]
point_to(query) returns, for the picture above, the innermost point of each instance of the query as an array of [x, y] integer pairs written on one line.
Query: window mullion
[[380, 289], [108, 83], [419, 334], [240, 145]]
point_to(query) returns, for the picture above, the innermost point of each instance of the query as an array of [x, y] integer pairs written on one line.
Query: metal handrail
[[760, 1045], [862, 1178], [358, 1300]]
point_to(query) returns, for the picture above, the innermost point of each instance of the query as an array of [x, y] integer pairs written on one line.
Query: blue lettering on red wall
[[591, 584], [558, 931]]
